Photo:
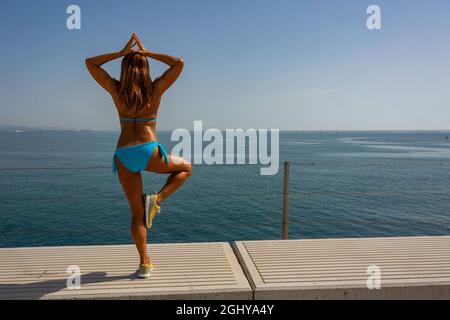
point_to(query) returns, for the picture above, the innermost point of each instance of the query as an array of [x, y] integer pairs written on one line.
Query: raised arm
[[98, 73], [164, 81]]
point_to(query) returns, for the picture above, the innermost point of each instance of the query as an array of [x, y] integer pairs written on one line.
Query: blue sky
[[298, 65]]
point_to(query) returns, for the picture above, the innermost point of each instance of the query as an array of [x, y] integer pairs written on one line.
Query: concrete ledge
[[410, 268], [181, 271]]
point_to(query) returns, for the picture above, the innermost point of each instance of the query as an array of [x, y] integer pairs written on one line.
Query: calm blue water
[[350, 184]]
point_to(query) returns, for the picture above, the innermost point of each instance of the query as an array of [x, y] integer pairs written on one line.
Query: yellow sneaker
[[145, 269], [151, 208]]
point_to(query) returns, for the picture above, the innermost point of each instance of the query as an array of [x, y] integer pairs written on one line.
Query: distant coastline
[[23, 129]]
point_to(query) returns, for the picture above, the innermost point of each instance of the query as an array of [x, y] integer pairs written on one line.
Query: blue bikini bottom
[[135, 158]]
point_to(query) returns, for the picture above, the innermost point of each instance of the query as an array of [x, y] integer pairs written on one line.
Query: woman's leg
[[180, 170], [132, 185]]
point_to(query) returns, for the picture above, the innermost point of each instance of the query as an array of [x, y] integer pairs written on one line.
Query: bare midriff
[[137, 132], [133, 133]]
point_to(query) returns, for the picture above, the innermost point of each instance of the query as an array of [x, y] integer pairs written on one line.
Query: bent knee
[[188, 169], [184, 166]]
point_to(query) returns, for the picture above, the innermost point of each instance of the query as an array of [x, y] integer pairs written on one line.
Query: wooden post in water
[[284, 227]]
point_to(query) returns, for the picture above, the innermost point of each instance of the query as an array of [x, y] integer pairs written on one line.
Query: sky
[[287, 64]]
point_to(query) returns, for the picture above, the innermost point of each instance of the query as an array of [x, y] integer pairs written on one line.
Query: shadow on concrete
[[37, 290]]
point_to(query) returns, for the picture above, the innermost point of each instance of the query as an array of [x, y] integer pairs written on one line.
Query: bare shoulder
[[114, 88], [156, 94], [114, 92]]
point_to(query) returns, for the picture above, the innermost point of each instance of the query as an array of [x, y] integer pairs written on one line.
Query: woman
[[137, 100]]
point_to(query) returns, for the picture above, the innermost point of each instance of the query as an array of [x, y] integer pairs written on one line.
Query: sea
[[57, 188]]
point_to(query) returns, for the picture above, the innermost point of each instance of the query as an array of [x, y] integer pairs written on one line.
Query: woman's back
[[136, 95], [135, 132]]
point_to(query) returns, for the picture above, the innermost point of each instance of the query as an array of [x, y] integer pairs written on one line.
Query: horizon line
[[34, 129]]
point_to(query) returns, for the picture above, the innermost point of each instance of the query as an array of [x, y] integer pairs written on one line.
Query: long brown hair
[[135, 87]]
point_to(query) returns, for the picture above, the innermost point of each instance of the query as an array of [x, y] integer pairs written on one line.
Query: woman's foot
[[151, 208], [145, 269]]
